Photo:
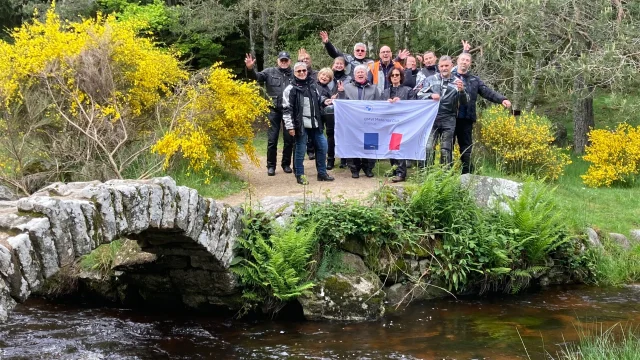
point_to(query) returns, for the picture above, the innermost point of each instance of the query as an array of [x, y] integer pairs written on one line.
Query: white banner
[[383, 130]]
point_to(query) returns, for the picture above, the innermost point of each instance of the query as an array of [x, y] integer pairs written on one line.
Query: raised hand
[[249, 61], [459, 84], [402, 54], [324, 36], [419, 59], [466, 46], [340, 86]]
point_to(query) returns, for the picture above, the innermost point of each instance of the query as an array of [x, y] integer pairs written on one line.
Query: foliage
[[616, 342], [614, 156], [273, 270], [102, 258], [522, 144], [212, 121], [80, 95], [614, 265]]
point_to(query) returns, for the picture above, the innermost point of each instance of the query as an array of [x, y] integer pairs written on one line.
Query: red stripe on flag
[[396, 139]]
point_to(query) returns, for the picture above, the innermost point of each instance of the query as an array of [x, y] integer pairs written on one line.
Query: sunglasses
[[301, 71], [360, 50], [395, 75]]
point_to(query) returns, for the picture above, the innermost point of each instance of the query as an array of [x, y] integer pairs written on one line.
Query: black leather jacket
[[450, 97], [402, 92], [276, 80], [474, 87]]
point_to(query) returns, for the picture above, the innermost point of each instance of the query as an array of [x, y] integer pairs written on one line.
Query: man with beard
[[467, 113], [276, 80], [450, 92], [359, 56], [301, 103], [359, 89]]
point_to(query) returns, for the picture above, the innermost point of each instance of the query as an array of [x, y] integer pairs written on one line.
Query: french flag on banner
[[396, 140], [383, 130]]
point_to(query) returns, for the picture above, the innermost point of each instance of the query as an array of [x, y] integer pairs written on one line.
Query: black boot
[[355, 174], [301, 179], [330, 163], [368, 172], [325, 177], [343, 163]]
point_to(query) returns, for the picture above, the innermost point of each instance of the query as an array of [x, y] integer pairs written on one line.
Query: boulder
[[489, 192], [6, 194], [593, 237], [635, 235], [620, 240], [353, 295], [280, 207]]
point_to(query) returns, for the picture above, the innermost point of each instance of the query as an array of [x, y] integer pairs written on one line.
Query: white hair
[[299, 64], [361, 66], [357, 45]]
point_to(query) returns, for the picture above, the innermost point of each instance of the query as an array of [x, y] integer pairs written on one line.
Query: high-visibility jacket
[[378, 74]]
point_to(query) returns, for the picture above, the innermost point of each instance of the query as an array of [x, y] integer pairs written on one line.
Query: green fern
[[274, 270]]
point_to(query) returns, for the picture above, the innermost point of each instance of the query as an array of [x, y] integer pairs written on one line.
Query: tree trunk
[[252, 39], [266, 38], [531, 96], [583, 119]]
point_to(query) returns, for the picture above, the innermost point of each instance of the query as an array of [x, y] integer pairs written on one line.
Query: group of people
[[302, 103]]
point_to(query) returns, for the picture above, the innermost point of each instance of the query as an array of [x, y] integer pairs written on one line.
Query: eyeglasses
[[395, 75], [301, 71], [360, 50]]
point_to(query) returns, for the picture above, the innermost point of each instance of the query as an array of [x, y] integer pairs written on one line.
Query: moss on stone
[[335, 286]]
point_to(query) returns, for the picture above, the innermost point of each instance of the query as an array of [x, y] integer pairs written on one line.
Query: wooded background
[[530, 50]]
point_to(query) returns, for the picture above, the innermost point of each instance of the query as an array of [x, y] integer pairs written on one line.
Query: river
[[466, 328]]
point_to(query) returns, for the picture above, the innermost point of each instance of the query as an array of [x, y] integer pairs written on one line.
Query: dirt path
[[283, 184]]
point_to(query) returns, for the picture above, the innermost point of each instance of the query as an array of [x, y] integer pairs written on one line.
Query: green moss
[[31, 214], [335, 286]]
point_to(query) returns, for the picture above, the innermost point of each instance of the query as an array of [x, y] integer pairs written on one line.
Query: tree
[[81, 97], [559, 46]]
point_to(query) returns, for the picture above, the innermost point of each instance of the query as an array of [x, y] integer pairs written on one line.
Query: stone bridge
[[193, 236]]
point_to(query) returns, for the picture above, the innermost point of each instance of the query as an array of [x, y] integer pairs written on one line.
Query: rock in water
[[353, 294]]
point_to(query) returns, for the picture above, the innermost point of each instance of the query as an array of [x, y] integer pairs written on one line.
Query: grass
[[597, 343], [102, 258], [615, 266], [222, 183]]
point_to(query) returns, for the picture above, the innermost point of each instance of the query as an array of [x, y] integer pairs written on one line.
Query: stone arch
[[58, 224]]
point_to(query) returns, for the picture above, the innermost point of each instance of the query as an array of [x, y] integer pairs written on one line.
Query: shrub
[[522, 144], [213, 120], [80, 95], [614, 155]]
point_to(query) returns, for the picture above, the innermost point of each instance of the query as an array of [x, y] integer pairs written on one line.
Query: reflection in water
[[452, 329]]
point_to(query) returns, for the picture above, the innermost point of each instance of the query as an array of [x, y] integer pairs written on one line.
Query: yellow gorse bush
[[215, 124], [614, 155], [522, 144], [54, 47]]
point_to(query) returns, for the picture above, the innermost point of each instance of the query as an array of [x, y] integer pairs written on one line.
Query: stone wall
[[193, 237]]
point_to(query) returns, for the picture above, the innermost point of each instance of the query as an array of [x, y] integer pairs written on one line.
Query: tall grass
[[617, 342], [615, 266]]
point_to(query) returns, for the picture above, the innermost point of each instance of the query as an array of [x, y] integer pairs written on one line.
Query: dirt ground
[[283, 184]]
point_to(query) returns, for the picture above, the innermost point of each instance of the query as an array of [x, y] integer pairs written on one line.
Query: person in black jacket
[[359, 56], [450, 92], [410, 72], [301, 104], [397, 92], [325, 84], [467, 113], [276, 79]]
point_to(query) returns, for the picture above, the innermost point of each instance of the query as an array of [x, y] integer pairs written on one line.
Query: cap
[[284, 55]]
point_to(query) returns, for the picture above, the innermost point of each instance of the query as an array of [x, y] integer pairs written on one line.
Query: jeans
[[275, 122], [301, 149], [330, 123], [443, 130], [464, 138]]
